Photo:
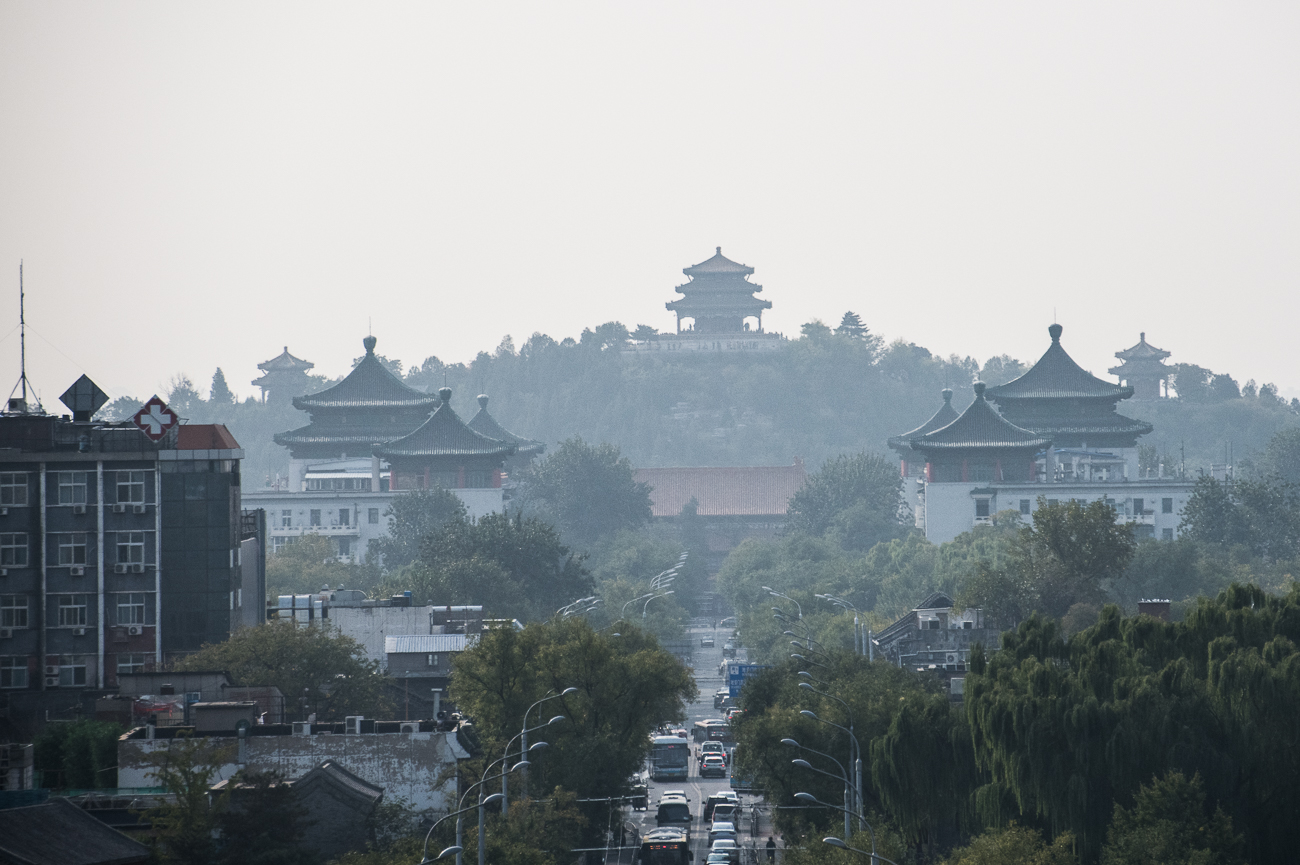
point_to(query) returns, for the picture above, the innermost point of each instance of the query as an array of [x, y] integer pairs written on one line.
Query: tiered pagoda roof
[[370, 405], [486, 425], [1143, 351], [979, 427], [444, 434], [944, 416], [718, 296], [1143, 368], [285, 362], [1059, 399]]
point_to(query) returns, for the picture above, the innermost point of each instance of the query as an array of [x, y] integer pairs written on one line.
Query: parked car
[[713, 766], [721, 829]]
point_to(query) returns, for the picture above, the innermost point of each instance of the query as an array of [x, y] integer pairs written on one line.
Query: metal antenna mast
[[22, 350]]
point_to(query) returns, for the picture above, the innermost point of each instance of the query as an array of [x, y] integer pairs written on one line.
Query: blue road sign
[[738, 673]]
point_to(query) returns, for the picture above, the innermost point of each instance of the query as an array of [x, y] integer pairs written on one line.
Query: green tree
[[327, 669], [184, 829], [1015, 845], [1262, 515], [219, 396], [262, 823], [587, 491], [77, 754], [1281, 457], [309, 564], [1169, 825], [852, 499], [184, 398], [414, 516]]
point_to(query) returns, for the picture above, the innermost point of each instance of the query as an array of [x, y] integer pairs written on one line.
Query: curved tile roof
[[369, 385], [940, 419], [719, 263], [444, 434], [486, 425], [1142, 351], [980, 426], [285, 361], [1057, 376]]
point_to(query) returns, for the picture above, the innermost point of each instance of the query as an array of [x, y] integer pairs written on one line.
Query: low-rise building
[[936, 637], [60, 833]]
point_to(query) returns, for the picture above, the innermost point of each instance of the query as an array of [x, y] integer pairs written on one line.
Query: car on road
[[734, 711], [728, 649], [706, 642], [713, 747], [721, 829], [718, 859], [722, 797], [720, 697], [674, 811], [728, 846], [726, 811], [713, 766]]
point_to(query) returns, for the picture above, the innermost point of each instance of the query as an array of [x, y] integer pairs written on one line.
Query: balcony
[[327, 531]]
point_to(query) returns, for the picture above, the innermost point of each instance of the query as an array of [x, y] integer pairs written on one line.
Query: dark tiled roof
[[719, 263], [369, 385], [980, 426], [740, 491], [445, 434], [1057, 376], [940, 419], [367, 434], [486, 425], [60, 833], [285, 362], [1111, 424], [717, 301], [331, 774], [1142, 351]]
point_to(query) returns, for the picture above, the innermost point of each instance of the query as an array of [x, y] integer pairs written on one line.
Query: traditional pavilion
[[1058, 399], [445, 452], [902, 444], [1143, 369], [370, 405], [719, 298], [283, 377], [980, 446], [486, 425]]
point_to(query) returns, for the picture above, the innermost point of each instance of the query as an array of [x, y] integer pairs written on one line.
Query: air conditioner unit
[[6, 633], [4, 512], [137, 568], [135, 630], [78, 632], [352, 725], [119, 509], [4, 572], [411, 727], [952, 658], [78, 509], [77, 570], [302, 728], [51, 669], [137, 509], [119, 568], [51, 681]]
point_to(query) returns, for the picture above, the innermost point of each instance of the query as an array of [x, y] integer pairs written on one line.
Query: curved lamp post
[[855, 752], [843, 777], [837, 842], [653, 597], [523, 732]]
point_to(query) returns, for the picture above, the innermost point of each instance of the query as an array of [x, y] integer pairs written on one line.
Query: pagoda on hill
[[486, 425], [1143, 369], [718, 298], [1058, 399], [445, 452], [370, 405], [980, 446], [283, 377]]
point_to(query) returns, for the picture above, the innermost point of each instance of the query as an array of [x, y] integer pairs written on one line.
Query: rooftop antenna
[[20, 405]]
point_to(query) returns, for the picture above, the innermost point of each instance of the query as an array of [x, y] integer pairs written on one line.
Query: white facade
[[372, 626], [1154, 505]]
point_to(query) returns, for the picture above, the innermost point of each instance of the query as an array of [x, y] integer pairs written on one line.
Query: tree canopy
[[852, 499], [414, 516], [587, 491]]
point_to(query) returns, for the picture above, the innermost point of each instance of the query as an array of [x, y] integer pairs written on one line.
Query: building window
[[1024, 507], [13, 611], [314, 518], [286, 519], [72, 548], [13, 672], [130, 487], [1139, 507], [131, 608], [72, 488], [1051, 503], [345, 517], [981, 508], [71, 610], [13, 488], [1166, 506], [1166, 534], [345, 547], [13, 550], [278, 544], [372, 516], [72, 670], [128, 664], [130, 548]]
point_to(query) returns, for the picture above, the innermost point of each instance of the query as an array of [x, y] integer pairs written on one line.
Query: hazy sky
[[195, 185]]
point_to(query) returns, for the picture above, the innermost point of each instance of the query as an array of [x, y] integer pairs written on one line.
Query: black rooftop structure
[[944, 416], [1059, 399], [486, 425], [445, 452], [370, 405], [980, 445], [718, 297]]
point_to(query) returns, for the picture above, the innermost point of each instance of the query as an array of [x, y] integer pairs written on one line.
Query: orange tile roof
[[204, 437], [738, 491]]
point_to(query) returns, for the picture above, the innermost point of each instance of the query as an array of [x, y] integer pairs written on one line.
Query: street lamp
[[774, 593], [495, 797], [855, 752], [861, 635], [523, 732], [843, 776], [653, 597], [839, 842]]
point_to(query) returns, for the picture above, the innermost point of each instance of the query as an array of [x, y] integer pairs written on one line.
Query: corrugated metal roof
[[737, 491], [413, 644]]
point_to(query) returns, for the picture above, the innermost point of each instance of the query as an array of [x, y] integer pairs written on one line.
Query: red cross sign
[[154, 418]]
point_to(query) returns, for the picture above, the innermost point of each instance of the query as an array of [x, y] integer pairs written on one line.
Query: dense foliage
[[852, 500], [587, 491], [413, 517], [77, 754]]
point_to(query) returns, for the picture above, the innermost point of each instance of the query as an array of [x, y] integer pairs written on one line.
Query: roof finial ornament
[[1055, 332], [946, 393], [719, 250], [444, 394], [483, 401], [979, 389], [1142, 336], [369, 342]]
